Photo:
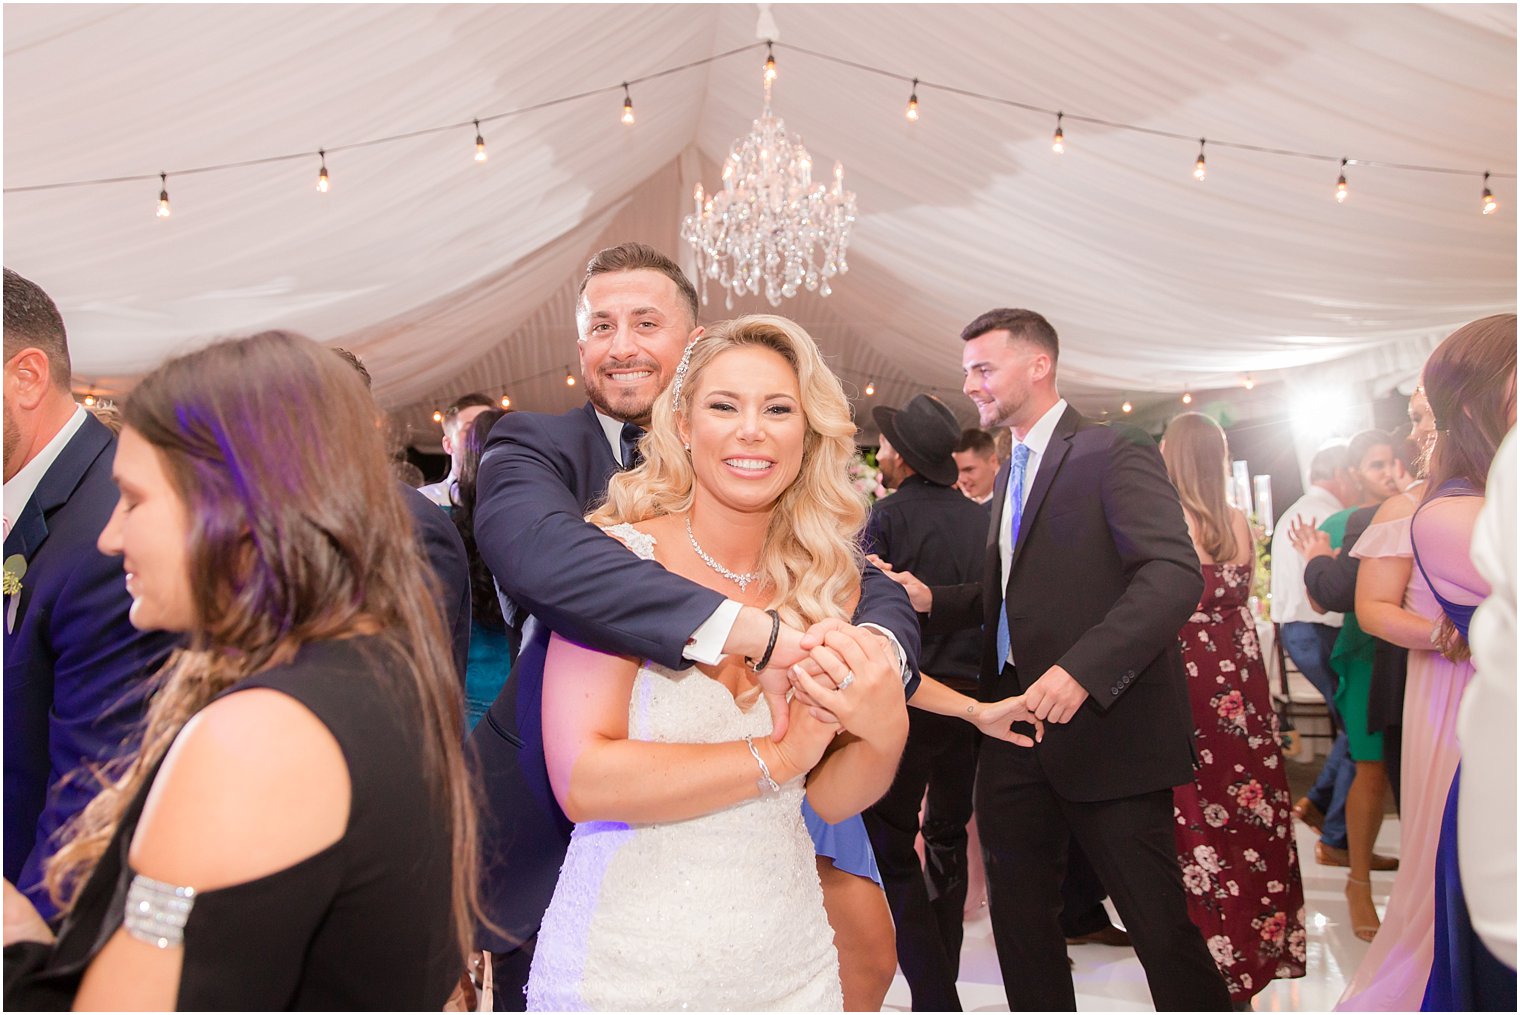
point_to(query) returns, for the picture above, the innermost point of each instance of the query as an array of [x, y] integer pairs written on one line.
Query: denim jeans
[[1309, 646]]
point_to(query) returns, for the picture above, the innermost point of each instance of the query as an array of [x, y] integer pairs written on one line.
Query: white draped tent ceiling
[[448, 275]]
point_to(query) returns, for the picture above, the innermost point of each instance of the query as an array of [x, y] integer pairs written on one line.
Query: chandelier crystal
[[770, 229]]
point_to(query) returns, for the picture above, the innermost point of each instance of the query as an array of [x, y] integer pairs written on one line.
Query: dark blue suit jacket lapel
[[1050, 464], [58, 484]]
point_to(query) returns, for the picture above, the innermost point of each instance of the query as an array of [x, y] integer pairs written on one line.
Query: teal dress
[[490, 662], [1352, 662]]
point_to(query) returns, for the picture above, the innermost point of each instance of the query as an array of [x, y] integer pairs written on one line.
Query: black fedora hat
[[924, 432]]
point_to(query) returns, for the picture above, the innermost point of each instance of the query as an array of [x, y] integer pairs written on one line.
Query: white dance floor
[[1110, 979]]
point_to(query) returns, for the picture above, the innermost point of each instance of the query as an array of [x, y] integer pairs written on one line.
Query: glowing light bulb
[[322, 181], [628, 110], [870, 388], [163, 196], [1200, 168], [770, 64], [437, 416], [1250, 382], [569, 378], [1127, 406], [1490, 204], [89, 400], [912, 113], [506, 401], [480, 144], [1187, 398], [1058, 140], [1340, 185]]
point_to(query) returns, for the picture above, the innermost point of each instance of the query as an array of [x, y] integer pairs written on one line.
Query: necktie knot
[[632, 434]]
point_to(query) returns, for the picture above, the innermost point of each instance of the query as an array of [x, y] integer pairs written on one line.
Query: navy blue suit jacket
[[540, 476], [439, 541], [75, 667]]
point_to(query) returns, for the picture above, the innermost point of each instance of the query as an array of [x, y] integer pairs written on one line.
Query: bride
[[691, 882]]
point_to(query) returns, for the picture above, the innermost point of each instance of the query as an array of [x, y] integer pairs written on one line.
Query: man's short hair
[[637, 257], [32, 320], [1328, 462], [1358, 446], [466, 401], [978, 440], [1022, 325]]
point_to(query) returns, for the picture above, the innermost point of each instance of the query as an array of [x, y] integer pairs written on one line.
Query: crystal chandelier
[[771, 229]]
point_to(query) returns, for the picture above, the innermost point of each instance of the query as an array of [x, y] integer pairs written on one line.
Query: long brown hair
[[1470, 384], [1197, 458], [298, 534]]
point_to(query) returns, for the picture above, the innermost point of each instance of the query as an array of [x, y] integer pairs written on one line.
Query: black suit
[[539, 476], [935, 532], [439, 541], [1103, 577]]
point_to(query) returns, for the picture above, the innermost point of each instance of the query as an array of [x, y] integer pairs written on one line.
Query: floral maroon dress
[[1234, 823]]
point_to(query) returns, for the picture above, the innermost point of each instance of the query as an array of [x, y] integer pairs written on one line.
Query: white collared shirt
[[1036, 440], [1290, 599], [24, 483]]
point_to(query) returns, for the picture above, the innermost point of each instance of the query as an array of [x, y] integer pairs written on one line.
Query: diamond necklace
[[742, 580]]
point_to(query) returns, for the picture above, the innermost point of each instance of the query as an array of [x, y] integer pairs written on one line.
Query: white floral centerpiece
[[865, 476]]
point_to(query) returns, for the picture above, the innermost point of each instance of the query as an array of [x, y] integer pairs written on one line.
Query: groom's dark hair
[[638, 257], [1025, 325]]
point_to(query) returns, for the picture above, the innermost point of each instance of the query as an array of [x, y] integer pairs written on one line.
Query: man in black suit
[[75, 668], [1089, 576], [539, 476], [934, 530]]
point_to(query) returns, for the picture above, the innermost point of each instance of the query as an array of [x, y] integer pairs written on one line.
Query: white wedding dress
[[720, 912]]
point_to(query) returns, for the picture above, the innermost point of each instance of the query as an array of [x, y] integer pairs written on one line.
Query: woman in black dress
[[295, 830]]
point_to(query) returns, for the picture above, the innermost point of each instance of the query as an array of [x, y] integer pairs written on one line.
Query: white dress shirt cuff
[[706, 643], [902, 657]]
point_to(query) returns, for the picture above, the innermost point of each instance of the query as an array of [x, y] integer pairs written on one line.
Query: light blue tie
[[1015, 514]]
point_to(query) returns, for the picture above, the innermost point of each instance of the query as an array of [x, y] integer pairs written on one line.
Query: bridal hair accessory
[[742, 580], [680, 381]]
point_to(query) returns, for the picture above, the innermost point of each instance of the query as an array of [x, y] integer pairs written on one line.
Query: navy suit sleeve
[[446, 553], [885, 603], [1165, 579], [585, 585], [101, 668], [955, 608]]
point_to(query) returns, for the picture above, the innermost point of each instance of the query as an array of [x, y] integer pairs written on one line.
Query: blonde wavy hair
[[811, 558]]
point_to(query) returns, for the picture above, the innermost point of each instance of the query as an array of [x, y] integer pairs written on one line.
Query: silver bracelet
[[156, 912], [765, 782]]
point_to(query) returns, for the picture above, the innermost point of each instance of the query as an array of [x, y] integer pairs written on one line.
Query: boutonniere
[[15, 570]]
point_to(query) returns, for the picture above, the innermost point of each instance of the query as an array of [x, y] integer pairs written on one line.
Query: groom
[[539, 476]]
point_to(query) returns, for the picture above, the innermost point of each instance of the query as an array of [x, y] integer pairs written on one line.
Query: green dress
[[1352, 663]]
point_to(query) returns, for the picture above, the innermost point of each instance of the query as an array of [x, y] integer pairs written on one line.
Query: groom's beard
[[630, 403]]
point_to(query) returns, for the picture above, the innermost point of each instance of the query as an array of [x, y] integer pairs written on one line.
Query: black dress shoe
[[1109, 935]]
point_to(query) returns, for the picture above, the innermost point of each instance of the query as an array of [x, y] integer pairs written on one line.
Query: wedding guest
[[539, 476], [976, 462], [1097, 659], [296, 828], [1471, 375], [492, 644], [932, 529], [682, 861], [456, 418], [1486, 722], [1470, 425], [1308, 638], [1234, 821], [1371, 454], [75, 668], [450, 576]]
